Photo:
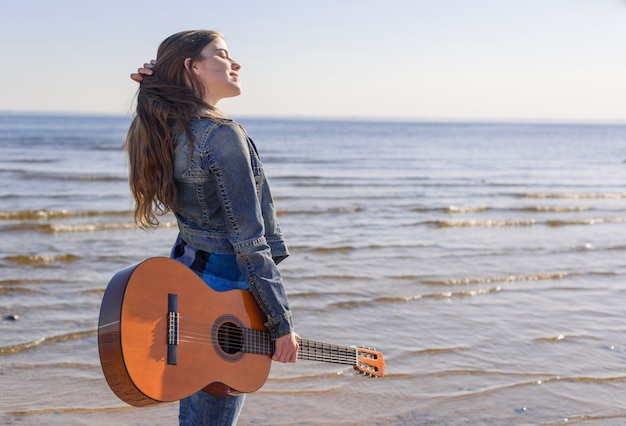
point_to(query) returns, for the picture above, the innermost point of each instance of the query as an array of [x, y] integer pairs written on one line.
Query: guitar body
[[141, 362]]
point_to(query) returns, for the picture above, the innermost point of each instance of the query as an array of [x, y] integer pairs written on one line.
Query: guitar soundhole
[[230, 338]]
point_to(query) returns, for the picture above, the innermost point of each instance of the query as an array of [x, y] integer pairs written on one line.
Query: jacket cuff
[[280, 326]]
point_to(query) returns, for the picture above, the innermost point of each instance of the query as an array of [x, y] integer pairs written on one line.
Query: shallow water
[[485, 261]]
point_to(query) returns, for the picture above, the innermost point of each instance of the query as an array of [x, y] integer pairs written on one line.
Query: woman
[[186, 156]]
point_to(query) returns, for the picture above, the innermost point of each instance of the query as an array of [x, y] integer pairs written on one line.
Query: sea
[[485, 261]]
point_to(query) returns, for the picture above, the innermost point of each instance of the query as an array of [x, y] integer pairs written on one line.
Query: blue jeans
[[204, 409]]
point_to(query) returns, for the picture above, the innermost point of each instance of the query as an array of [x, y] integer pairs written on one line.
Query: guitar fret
[[257, 342], [318, 351]]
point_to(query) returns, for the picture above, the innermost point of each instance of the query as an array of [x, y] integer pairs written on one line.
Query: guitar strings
[[257, 341], [235, 338]]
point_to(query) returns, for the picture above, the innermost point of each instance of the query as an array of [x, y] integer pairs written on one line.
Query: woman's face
[[217, 71]]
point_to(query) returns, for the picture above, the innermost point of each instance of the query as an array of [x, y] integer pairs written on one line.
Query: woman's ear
[[189, 65]]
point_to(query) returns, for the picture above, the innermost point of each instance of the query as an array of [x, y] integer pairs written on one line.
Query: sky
[[528, 60]]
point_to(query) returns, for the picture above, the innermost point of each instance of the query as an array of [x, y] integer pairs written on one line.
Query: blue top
[[219, 271]]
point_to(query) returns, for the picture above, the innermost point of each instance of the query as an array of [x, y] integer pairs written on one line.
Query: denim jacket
[[226, 206]]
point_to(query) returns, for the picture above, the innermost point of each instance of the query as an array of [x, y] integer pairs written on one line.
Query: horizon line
[[353, 118]]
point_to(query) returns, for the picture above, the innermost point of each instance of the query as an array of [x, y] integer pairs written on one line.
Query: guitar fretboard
[[259, 342], [317, 351]]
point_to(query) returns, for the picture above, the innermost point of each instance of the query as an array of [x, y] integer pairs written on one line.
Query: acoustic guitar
[[164, 334]]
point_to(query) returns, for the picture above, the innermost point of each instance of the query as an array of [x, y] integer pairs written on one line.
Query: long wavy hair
[[166, 102]]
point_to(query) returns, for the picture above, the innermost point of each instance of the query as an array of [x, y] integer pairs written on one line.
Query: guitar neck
[[366, 361], [259, 342], [311, 350]]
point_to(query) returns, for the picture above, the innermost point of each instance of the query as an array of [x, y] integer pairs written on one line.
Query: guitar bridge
[[173, 327]]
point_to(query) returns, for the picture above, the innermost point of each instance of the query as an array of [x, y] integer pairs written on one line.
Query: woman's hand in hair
[[146, 70]]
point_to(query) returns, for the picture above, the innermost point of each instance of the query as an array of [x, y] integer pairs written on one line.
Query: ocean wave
[[480, 223], [339, 249], [104, 147], [42, 259], [296, 392], [550, 339], [60, 365], [50, 228], [552, 209], [317, 294], [489, 223], [7, 291], [469, 372], [437, 351], [347, 304], [528, 380], [20, 281], [334, 210], [442, 295], [70, 410], [54, 228], [57, 214], [458, 209], [29, 345], [544, 380], [586, 221], [574, 195], [62, 176], [573, 419], [505, 279], [303, 378], [562, 337]]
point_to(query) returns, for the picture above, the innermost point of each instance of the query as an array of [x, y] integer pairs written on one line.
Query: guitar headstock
[[369, 362]]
